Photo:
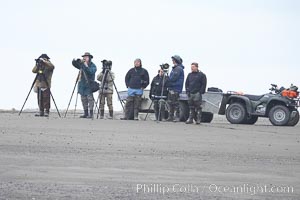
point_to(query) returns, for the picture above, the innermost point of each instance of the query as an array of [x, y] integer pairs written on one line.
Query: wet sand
[[71, 158]]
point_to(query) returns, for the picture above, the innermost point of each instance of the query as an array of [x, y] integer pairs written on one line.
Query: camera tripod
[[76, 82], [106, 73], [161, 98], [44, 78]]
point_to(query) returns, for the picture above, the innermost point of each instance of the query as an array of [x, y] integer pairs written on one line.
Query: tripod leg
[[40, 100], [148, 111], [28, 94], [159, 109], [102, 89], [54, 103], [96, 104], [72, 95], [100, 101], [117, 91], [76, 104], [162, 108]]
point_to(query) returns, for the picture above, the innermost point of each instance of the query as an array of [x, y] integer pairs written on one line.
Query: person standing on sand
[[195, 86], [158, 94], [136, 80], [87, 74], [106, 91], [175, 87], [44, 68]]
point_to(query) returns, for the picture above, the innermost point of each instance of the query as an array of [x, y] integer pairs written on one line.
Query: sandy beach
[[72, 158]]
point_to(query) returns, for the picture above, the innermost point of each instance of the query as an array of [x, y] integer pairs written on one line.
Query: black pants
[[43, 98], [159, 105], [173, 101], [195, 100]]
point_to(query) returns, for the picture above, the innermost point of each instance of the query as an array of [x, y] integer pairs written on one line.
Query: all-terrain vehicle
[[280, 106]]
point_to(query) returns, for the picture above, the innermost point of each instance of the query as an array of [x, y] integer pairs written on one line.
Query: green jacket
[[87, 75]]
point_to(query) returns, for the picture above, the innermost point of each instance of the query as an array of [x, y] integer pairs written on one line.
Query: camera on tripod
[[39, 61], [79, 60], [106, 64], [165, 67]]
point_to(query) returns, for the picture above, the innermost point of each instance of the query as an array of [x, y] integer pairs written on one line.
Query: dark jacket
[[176, 78], [87, 72], [157, 86], [195, 82], [137, 78]]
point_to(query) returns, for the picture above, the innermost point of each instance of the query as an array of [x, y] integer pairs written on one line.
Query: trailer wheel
[[294, 121], [279, 115], [183, 111], [236, 113], [207, 117]]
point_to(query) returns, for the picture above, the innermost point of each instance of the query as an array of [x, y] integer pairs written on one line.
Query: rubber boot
[[126, 111], [162, 115], [171, 115], [162, 111], [41, 114], [111, 114], [101, 114], [156, 116], [136, 107], [199, 115], [191, 116], [128, 107], [47, 113], [91, 115], [136, 114], [177, 118], [85, 115]]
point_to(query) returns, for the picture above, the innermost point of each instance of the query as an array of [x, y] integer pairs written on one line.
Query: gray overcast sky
[[241, 45]]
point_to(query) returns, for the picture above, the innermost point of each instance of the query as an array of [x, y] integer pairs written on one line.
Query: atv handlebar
[[275, 89]]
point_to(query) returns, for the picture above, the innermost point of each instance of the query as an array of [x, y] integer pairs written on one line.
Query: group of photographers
[[163, 89], [168, 88]]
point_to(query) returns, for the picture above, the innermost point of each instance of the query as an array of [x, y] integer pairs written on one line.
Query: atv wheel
[[236, 113], [279, 115], [294, 121], [251, 120]]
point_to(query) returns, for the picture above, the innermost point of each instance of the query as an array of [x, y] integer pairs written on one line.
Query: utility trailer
[[211, 102]]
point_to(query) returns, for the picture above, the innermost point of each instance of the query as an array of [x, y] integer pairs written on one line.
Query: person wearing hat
[[136, 80], [195, 86], [87, 75], [44, 68], [175, 86], [158, 94], [107, 88]]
